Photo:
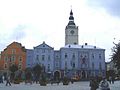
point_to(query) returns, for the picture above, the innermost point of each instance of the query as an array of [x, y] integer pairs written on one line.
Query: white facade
[[83, 59], [44, 55]]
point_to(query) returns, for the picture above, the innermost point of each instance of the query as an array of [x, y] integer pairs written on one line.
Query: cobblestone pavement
[[83, 85]]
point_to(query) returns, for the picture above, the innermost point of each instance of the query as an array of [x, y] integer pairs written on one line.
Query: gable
[[44, 45]]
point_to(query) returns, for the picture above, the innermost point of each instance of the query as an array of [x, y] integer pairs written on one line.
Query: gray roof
[[81, 46]]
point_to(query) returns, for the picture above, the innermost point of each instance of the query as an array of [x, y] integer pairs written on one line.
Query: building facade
[[83, 60], [15, 53], [72, 59]]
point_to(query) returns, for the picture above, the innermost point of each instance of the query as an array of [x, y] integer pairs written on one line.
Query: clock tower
[[71, 31]]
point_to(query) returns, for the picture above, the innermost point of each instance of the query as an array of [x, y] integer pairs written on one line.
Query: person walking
[[93, 84], [110, 79], [8, 81], [104, 85]]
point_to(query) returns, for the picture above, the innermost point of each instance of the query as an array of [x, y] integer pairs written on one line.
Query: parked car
[[75, 78]]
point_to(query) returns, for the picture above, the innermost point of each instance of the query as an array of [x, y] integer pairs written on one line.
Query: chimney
[[94, 46], [86, 44], [69, 46], [82, 46]]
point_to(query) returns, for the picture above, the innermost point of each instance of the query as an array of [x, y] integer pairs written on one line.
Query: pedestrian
[[110, 79], [93, 84], [104, 85], [72, 81], [1, 80], [8, 81]]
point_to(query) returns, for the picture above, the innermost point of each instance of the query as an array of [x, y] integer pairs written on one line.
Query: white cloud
[[45, 20]]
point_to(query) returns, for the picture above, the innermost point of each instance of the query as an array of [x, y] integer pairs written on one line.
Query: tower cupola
[[71, 18]]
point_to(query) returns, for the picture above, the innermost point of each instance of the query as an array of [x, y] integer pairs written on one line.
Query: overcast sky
[[31, 22]]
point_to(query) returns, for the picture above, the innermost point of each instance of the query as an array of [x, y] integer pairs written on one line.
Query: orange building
[[15, 53]]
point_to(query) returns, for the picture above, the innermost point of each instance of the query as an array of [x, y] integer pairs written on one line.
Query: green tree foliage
[[37, 69], [116, 55], [13, 68]]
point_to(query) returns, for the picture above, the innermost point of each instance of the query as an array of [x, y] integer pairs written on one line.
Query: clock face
[[72, 32]]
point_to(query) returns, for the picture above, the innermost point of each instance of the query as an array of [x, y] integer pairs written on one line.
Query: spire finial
[[71, 7]]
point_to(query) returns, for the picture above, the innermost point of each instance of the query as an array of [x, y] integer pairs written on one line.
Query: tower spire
[[71, 19], [71, 31]]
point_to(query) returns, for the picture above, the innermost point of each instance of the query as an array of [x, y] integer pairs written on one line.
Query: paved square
[[83, 85]]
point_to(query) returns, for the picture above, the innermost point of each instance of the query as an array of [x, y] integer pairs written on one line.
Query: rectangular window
[[37, 57], [5, 58], [73, 56], [65, 63], [100, 66], [73, 65], [65, 55], [0, 56], [48, 57], [20, 58], [43, 50], [92, 56], [13, 51], [99, 56], [10, 59], [93, 66], [13, 58], [48, 67], [56, 64], [43, 57], [5, 66], [20, 66]]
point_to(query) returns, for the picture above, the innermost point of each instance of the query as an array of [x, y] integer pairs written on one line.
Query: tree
[[13, 68], [116, 55], [37, 69], [28, 75]]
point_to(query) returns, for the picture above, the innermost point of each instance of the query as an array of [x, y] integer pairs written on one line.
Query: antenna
[[95, 41]]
